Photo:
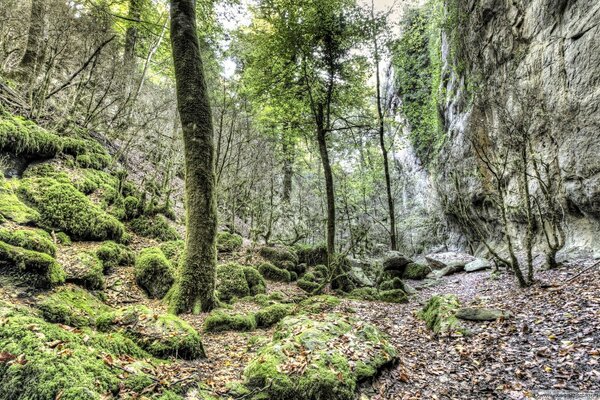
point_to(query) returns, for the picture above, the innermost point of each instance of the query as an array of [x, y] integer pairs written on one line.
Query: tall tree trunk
[[38, 30], [131, 38], [196, 280], [329, 189], [288, 167]]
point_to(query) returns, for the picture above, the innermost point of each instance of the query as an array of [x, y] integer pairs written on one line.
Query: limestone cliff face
[[516, 58]]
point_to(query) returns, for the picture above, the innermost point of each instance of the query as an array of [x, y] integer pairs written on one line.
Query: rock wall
[[513, 57]]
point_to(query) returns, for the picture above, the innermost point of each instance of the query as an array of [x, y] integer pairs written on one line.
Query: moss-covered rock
[[440, 314], [156, 227], [44, 267], [46, 361], [173, 250], [281, 257], [367, 294], [311, 255], [63, 207], [256, 283], [273, 273], [162, 335], [85, 269], [72, 306], [113, 254], [30, 239], [154, 273], [416, 271], [393, 296], [319, 304], [219, 321], [12, 208], [228, 242], [272, 314], [231, 282], [342, 353]]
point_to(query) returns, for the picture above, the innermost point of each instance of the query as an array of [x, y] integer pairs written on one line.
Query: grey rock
[[449, 259], [395, 263], [478, 265], [481, 314]]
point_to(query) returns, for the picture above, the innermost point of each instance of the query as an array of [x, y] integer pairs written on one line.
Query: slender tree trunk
[[131, 38], [36, 37], [329, 190], [529, 213], [196, 280], [288, 167]]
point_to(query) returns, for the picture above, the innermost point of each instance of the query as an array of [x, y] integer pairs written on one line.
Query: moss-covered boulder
[[228, 242], [219, 321], [272, 314], [393, 296], [318, 359], [72, 306], [113, 254], [63, 207], [311, 255], [85, 269], [281, 257], [440, 314], [30, 239], [154, 273], [314, 280], [42, 360], [12, 208], [235, 281], [156, 227], [273, 273], [162, 335], [173, 250], [367, 294], [416, 271], [45, 269]]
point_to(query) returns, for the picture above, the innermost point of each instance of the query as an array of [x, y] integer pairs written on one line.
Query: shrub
[[155, 227], [41, 264], [30, 239], [72, 306], [63, 207], [154, 273], [228, 242], [271, 272], [271, 315], [219, 321]]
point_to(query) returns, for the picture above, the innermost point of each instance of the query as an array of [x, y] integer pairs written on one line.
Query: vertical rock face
[[513, 56]]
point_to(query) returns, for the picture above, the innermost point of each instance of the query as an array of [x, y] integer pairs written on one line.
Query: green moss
[[42, 265], [440, 314], [159, 334], [281, 257], [173, 250], [72, 306], [63, 238], [155, 227], [367, 294], [57, 362], [309, 283], [336, 364], [12, 208], [228, 242], [30, 239], [219, 321], [271, 315], [395, 283], [393, 296], [86, 269], [231, 282], [131, 206], [64, 208], [92, 180], [273, 273], [154, 273], [319, 304], [113, 254], [416, 271], [256, 283], [311, 255]]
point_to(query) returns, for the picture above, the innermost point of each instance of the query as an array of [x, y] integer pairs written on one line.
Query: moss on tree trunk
[[196, 281]]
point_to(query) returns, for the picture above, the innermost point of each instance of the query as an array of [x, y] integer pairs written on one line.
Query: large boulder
[[449, 259], [359, 272], [481, 314], [478, 265], [395, 263]]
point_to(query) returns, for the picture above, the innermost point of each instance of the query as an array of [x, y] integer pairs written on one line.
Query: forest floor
[[551, 341]]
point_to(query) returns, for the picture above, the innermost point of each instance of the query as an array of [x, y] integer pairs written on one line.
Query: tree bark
[[329, 188], [196, 280], [288, 167], [38, 31], [131, 37]]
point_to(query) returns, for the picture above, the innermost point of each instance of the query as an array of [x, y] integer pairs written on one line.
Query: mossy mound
[[219, 321], [85, 269], [393, 296], [318, 359], [154, 273], [30, 239], [416, 271], [311, 255], [272, 314], [273, 273], [228, 242], [155, 227], [319, 304], [113, 254], [72, 306], [48, 361], [12, 208], [440, 314], [161, 335], [314, 280], [63, 207], [235, 281], [44, 267], [281, 257], [173, 250], [366, 294]]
